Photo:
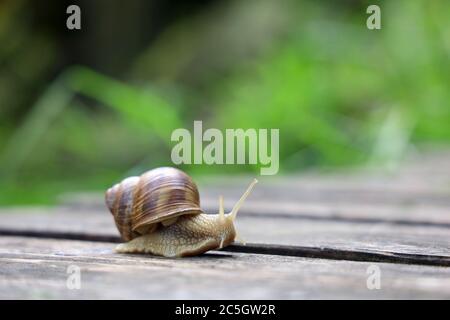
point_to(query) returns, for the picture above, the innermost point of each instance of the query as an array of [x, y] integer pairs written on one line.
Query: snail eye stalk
[[221, 208], [238, 204]]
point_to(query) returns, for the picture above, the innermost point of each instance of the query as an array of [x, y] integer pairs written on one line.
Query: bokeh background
[[82, 109]]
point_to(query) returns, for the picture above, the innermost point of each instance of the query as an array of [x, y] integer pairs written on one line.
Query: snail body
[[159, 213]]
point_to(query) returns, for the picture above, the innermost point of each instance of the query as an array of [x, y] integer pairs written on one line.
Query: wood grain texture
[[312, 235], [402, 198], [416, 192], [37, 268], [374, 237], [298, 205]]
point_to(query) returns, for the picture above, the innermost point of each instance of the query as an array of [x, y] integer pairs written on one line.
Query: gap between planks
[[269, 249]]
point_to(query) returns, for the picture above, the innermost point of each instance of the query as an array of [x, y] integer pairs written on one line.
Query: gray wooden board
[[382, 237], [417, 192], [320, 189], [350, 210], [403, 197], [37, 268]]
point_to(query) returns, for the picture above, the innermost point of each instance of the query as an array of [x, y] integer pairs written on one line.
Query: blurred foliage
[[79, 115]]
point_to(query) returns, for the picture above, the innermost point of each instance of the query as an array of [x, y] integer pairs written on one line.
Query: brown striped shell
[[138, 204]]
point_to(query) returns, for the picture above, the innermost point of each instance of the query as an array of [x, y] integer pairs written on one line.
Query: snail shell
[[161, 195]]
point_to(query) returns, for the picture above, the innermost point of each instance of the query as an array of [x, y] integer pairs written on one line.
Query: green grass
[[340, 94]]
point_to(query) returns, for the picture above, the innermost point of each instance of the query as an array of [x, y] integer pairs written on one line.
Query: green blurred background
[[80, 110]]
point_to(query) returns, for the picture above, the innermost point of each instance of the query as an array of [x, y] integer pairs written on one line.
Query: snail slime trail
[[230, 148]]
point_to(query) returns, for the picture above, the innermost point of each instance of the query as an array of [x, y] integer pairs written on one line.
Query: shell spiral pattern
[[139, 203]]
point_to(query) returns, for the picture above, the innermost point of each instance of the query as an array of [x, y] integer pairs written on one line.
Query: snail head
[[229, 218]]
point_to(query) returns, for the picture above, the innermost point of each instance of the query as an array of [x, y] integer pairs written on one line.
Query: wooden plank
[[340, 254], [410, 196], [345, 210], [320, 188], [37, 268], [336, 189], [418, 192], [374, 237]]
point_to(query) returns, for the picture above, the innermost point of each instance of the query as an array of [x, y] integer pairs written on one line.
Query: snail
[[159, 213]]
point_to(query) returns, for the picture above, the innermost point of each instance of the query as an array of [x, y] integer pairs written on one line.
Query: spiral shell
[[138, 204]]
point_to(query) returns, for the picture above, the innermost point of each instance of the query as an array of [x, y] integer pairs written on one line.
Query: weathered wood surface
[[418, 193], [37, 268], [374, 237], [329, 207], [310, 236]]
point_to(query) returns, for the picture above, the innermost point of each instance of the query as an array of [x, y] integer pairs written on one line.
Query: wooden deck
[[309, 236]]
